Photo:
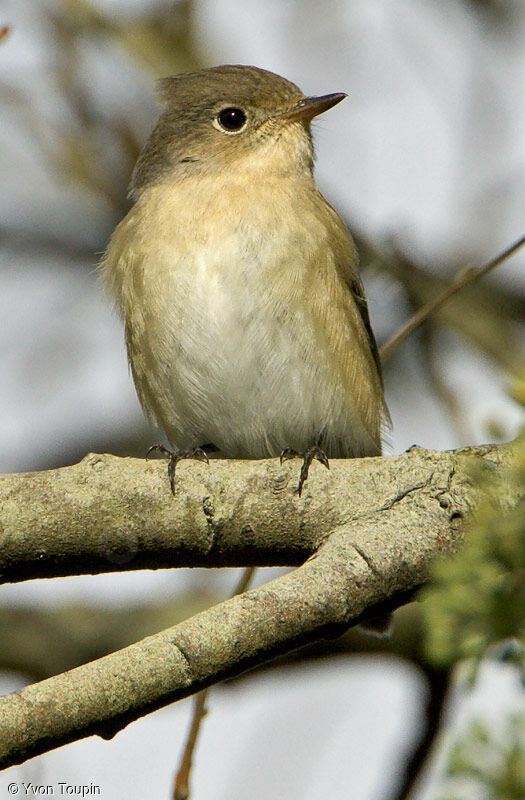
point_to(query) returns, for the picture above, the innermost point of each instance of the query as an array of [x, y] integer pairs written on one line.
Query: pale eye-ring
[[230, 120]]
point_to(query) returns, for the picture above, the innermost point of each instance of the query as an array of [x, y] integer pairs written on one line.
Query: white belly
[[245, 371], [242, 376]]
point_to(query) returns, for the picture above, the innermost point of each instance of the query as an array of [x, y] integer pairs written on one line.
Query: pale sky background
[[429, 146]]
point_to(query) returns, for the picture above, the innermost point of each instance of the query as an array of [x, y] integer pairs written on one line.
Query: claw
[[160, 448], [199, 455], [289, 453], [311, 454], [175, 456]]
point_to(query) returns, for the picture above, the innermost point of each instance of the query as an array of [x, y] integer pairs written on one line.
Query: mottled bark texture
[[365, 534]]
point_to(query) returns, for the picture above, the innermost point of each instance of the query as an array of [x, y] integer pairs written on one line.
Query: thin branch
[[463, 278], [181, 788], [244, 581], [438, 682]]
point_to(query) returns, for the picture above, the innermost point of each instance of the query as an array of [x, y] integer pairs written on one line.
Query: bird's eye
[[231, 120]]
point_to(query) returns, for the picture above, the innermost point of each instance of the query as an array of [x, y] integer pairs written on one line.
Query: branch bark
[[109, 514], [369, 529]]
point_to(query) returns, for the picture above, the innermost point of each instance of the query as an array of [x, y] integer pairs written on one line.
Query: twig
[[443, 391], [181, 787], [463, 278], [438, 683]]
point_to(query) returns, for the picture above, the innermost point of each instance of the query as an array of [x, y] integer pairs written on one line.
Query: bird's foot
[[175, 456], [311, 454]]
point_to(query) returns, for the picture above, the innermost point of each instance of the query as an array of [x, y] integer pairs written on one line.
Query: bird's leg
[[312, 453], [175, 456]]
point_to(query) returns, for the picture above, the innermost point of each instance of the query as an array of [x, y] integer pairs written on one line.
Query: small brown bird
[[247, 327]]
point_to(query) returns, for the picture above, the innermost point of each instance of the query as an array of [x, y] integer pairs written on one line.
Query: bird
[[246, 323]]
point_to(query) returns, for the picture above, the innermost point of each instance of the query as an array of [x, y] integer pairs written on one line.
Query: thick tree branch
[[320, 598], [372, 526], [109, 514]]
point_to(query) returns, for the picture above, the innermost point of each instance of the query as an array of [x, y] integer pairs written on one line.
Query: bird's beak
[[309, 107]]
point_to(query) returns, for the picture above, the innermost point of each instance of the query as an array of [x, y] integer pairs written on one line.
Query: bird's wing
[[356, 287]]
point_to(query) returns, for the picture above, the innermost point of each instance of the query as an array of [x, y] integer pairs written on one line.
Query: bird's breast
[[236, 319]]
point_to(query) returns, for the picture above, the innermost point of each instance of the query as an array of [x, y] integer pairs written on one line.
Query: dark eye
[[231, 119]]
